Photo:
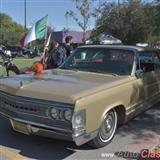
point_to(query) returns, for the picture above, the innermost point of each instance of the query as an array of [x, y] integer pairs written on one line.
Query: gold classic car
[[98, 88]]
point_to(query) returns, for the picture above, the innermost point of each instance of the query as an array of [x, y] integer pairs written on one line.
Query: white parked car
[[5, 51]]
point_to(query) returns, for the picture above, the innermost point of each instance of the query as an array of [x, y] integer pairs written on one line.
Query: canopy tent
[[104, 39]]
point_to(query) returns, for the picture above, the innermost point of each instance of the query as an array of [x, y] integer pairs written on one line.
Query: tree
[[84, 7], [152, 12], [126, 21], [157, 17], [10, 31]]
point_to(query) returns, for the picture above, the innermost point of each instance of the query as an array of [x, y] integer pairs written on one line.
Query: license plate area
[[21, 127]]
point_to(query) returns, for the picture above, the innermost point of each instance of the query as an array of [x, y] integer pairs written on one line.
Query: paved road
[[141, 132]]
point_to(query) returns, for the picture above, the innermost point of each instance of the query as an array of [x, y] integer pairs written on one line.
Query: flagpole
[[25, 21], [45, 41]]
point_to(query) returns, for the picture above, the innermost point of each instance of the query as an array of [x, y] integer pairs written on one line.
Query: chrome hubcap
[[108, 127]]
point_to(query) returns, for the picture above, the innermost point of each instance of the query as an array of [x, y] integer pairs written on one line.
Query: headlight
[[54, 113], [79, 119], [68, 115], [60, 114]]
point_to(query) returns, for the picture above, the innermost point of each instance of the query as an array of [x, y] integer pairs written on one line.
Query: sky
[[36, 9], [55, 9]]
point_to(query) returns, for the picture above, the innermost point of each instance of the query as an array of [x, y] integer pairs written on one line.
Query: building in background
[[77, 36]]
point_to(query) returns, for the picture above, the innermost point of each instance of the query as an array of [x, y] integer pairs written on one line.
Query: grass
[[20, 63], [23, 62]]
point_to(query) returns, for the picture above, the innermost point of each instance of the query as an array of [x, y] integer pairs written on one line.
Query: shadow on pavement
[[145, 131], [142, 125]]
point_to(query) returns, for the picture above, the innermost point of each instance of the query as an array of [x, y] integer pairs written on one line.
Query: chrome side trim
[[147, 103]]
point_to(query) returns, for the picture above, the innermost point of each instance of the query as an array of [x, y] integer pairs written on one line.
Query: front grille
[[31, 109], [16, 104], [28, 105], [18, 107]]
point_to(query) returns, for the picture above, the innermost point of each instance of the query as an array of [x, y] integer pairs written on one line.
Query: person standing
[[68, 45], [56, 55]]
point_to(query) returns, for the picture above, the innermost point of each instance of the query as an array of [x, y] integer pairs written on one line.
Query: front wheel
[[106, 131]]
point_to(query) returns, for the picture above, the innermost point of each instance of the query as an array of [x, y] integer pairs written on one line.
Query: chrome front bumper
[[31, 128]]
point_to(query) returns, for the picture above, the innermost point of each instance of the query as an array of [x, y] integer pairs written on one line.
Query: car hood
[[60, 85]]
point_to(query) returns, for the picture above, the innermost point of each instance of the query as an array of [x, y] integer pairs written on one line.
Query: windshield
[[101, 60]]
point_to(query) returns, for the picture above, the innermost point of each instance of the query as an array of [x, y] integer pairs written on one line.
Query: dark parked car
[[15, 50], [29, 52]]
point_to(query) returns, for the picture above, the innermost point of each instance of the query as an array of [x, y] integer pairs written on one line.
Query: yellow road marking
[[10, 154]]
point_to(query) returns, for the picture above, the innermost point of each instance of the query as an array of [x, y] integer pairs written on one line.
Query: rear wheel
[[106, 131]]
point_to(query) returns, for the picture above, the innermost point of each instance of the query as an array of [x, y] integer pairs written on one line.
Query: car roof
[[137, 48]]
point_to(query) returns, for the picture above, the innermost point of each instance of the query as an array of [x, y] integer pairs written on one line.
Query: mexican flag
[[38, 31]]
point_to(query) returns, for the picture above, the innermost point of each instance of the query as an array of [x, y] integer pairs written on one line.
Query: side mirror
[[139, 73]]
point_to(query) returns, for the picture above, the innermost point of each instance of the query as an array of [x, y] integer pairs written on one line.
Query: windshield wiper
[[99, 71], [69, 68], [92, 70], [113, 74]]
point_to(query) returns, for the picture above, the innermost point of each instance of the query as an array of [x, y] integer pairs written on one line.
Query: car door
[[156, 57], [150, 74]]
